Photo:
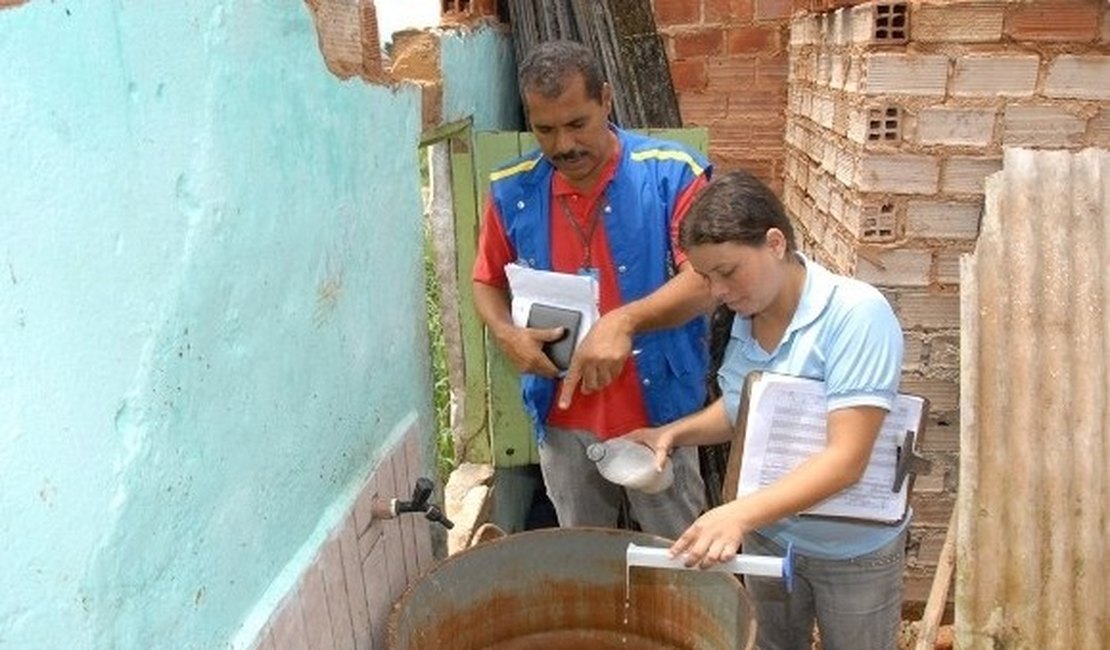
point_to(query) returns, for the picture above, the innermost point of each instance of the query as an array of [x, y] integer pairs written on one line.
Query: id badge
[[590, 271]]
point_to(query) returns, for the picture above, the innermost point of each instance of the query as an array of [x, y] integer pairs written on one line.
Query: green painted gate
[[495, 426]]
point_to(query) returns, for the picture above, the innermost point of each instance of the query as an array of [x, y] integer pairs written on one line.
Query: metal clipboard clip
[[910, 463]]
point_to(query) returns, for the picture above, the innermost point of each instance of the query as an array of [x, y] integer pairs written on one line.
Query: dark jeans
[[857, 603]]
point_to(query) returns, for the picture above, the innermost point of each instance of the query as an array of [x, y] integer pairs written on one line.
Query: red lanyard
[[584, 237]]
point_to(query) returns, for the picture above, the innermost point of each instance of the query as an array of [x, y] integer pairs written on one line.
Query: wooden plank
[[623, 37], [288, 631], [265, 641], [338, 598], [356, 588], [511, 431], [472, 445], [406, 523], [492, 149], [391, 542], [443, 131], [378, 593], [425, 555], [634, 52], [938, 595], [314, 608]]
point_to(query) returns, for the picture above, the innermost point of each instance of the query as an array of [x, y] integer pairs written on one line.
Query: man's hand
[[524, 347], [598, 360]]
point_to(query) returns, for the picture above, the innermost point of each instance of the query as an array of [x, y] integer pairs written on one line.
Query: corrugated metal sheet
[[1034, 502]]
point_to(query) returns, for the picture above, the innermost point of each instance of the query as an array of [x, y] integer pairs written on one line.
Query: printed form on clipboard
[[784, 421], [566, 290]]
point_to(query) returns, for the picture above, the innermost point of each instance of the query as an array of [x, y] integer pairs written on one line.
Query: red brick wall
[[348, 36], [729, 66]]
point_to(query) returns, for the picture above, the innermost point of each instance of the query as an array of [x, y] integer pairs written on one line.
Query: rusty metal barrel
[[566, 588]]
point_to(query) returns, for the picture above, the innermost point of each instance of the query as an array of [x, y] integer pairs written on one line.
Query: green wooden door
[[497, 411]]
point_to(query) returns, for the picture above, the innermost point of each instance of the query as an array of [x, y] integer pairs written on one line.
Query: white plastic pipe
[[752, 565]]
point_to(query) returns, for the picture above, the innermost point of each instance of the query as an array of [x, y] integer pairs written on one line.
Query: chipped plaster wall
[[202, 286], [488, 91]]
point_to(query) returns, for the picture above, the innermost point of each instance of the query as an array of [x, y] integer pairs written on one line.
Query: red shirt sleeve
[[681, 206], [494, 250]]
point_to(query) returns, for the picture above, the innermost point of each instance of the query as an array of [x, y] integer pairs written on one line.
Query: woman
[[793, 316]]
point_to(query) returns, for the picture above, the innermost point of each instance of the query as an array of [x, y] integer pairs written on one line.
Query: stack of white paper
[[567, 290], [787, 423]]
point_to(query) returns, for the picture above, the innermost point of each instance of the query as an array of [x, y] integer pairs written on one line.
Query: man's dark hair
[[549, 65], [735, 207]]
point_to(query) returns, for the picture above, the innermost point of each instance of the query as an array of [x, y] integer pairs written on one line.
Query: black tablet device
[[543, 316]]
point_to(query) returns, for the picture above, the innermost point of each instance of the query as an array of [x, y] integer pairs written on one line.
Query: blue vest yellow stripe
[[650, 177]]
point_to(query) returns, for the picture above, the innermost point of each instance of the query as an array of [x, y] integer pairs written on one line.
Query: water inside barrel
[[581, 640]]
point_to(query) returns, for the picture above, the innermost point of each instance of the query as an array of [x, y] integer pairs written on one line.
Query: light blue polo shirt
[[845, 333]]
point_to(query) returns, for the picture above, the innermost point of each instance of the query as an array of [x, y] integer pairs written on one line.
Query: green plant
[[441, 385]]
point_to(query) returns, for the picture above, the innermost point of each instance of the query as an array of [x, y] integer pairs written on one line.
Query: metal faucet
[[421, 492]]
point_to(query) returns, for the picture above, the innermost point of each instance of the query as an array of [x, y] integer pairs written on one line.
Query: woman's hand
[[660, 439], [714, 537]]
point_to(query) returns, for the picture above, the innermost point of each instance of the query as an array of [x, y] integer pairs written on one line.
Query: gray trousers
[[857, 603], [582, 497]]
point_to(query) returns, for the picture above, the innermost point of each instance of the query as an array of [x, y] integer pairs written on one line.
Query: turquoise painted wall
[[211, 310], [479, 79]]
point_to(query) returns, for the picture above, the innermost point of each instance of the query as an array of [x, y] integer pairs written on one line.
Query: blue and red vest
[[650, 177]]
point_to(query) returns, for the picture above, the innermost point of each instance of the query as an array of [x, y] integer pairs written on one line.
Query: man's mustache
[[570, 156]]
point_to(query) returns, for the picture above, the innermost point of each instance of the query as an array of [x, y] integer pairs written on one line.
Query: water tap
[[421, 492]]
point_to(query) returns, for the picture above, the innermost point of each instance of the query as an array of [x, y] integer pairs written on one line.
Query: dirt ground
[[907, 640], [909, 636]]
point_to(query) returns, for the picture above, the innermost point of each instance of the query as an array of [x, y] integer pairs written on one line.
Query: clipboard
[[757, 457]]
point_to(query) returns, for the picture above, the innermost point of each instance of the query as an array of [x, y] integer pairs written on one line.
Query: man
[[598, 200]]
